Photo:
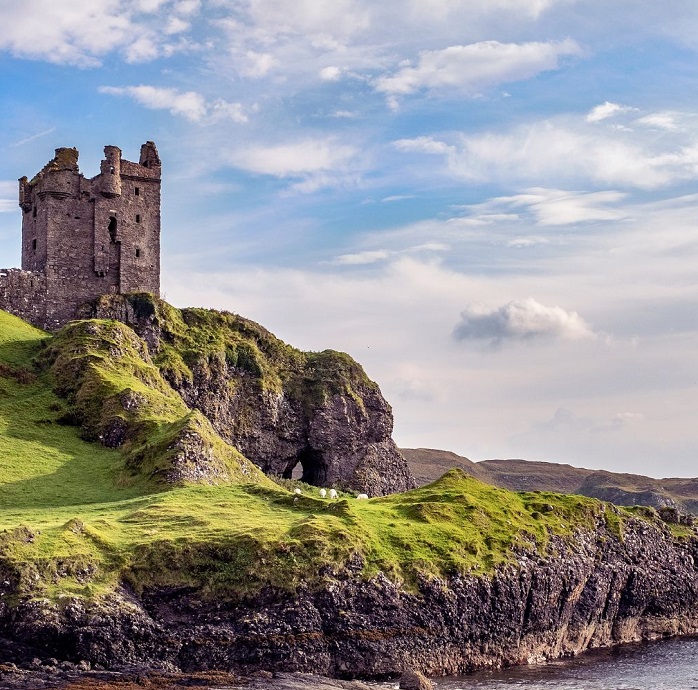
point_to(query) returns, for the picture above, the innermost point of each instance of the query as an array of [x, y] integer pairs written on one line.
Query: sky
[[491, 204]]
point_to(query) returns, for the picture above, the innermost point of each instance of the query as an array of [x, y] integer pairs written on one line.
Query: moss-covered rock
[[278, 406], [117, 395]]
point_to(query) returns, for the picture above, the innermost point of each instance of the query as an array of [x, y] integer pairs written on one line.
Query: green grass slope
[[77, 518]]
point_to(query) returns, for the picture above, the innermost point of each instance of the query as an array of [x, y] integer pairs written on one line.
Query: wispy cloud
[[363, 258], [286, 160], [556, 206], [472, 68], [33, 137], [606, 110], [424, 145], [8, 196], [541, 152], [189, 104]]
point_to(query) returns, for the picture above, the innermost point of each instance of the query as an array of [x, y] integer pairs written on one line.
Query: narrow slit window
[[138, 253], [34, 244], [112, 229], [137, 191], [138, 217]]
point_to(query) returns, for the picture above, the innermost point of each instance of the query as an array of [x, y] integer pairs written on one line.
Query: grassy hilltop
[[79, 518]]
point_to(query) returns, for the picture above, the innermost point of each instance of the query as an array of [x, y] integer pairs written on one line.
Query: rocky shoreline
[[595, 590], [65, 678]]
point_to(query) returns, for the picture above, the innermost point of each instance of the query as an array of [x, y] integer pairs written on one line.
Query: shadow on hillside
[[68, 470], [21, 352]]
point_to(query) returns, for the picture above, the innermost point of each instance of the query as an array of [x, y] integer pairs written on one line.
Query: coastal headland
[[139, 531]]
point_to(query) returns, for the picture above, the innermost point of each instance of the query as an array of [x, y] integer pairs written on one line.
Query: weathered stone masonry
[[82, 238]]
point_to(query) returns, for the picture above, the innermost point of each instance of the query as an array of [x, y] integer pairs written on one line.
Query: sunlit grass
[[75, 519]]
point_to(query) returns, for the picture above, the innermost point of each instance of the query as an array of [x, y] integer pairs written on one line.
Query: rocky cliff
[[279, 407], [133, 533], [598, 588]]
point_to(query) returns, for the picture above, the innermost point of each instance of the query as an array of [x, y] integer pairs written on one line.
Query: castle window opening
[[34, 212], [34, 244], [138, 253], [137, 191], [112, 228], [138, 218], [112, 169]]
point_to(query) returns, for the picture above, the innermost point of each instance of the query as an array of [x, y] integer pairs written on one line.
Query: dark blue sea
[[664, 665]]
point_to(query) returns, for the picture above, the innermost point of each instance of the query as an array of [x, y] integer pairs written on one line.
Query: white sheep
[[333, 493], [298, 492], [361, 497], [323, 493]]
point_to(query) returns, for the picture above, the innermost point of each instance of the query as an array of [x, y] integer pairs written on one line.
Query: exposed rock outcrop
[[278, 406], [593, 591]]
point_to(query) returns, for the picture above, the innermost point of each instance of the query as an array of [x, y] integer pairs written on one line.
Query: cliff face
[[593, 591], [279, 407]]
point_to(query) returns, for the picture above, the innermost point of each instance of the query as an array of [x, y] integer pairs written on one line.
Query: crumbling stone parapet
[[82, 238]]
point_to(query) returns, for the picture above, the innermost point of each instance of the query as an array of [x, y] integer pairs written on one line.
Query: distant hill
[[521, 475]]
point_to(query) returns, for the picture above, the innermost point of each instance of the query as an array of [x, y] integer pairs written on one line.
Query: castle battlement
[[85, 237]]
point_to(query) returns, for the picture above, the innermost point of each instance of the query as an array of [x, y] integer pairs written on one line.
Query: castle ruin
[[82, 238]]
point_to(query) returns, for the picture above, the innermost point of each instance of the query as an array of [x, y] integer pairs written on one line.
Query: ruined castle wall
[[22, 294], [140, 228], [70, 276], [88, 237]]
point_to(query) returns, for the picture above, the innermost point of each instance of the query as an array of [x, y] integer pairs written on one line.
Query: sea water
[[664, 665]]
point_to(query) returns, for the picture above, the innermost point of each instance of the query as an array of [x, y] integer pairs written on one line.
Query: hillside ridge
[[526, 475]]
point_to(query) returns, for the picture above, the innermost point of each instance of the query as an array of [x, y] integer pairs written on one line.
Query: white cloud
[[258, 65], [664, 120], [373, 256], [423, 145], [562, 207], [528, 241], [8, 196], [143, 49], [74, 33], [605, 110], [569, 149], [295, 159], [82, 32], [176, 25], [187, 8], [362, 258], [477, 66], [520, 320], [330, 73], [222, 110], [189, 104]]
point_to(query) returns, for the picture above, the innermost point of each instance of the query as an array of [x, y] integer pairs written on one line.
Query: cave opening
[[308, 466]]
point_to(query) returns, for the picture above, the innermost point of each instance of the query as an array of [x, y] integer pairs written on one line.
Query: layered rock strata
[[594, 591]]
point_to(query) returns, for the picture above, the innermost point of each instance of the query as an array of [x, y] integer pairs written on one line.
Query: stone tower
[[82, 238]]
